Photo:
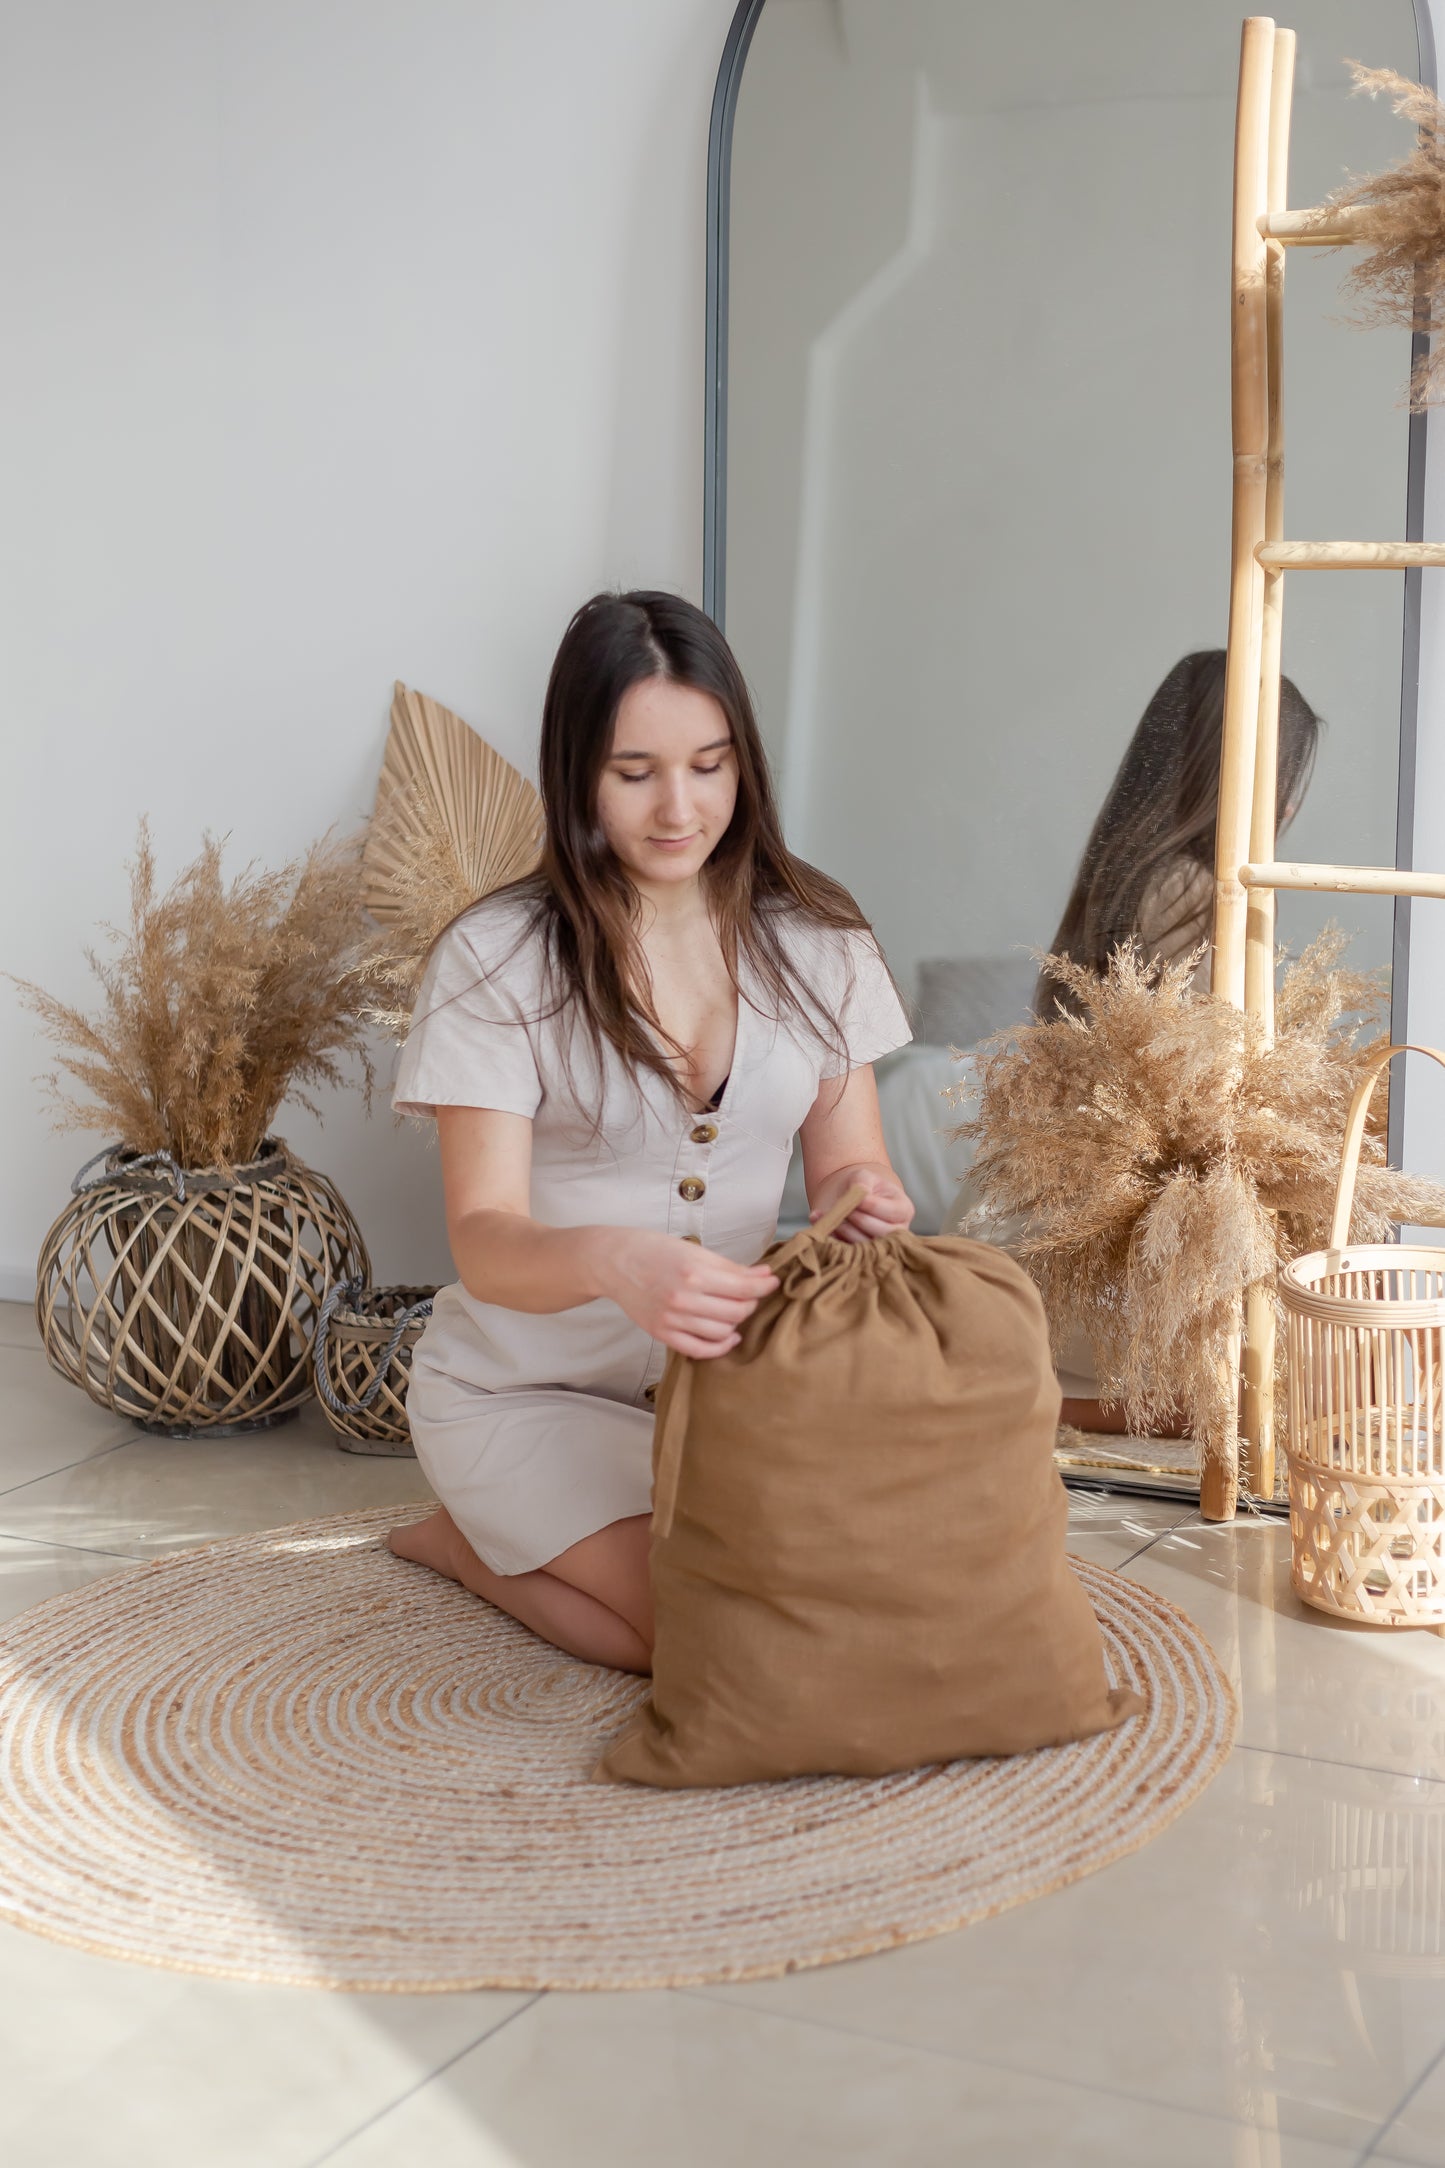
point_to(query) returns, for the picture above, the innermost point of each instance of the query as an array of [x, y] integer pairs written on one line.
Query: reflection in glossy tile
[[122, 2066], [1260, 1988], [1308, 1684], [1231, 1966], [31, 1572], [162, 1494], [1417, 2134], [659, 2081], [1108, 1529], [46, 1423], [1116, 1509]]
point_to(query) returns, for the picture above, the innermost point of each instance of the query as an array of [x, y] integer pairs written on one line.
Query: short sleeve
[[469, 1044], [870, 1015]]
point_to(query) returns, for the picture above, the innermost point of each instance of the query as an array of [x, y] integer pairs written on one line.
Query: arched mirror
[[969, 458]]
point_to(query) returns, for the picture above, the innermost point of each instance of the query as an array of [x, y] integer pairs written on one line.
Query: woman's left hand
[[886, 1206]]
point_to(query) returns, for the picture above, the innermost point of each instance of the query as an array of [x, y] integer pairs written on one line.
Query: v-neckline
[[724, 1091], [700, 1113]]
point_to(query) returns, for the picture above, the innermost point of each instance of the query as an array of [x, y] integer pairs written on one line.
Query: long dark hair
[[580, 898], [1159, 819]]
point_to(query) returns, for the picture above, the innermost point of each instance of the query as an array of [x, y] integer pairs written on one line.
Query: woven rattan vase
[[187, 1299], [362, 1360], [1367, 1414]]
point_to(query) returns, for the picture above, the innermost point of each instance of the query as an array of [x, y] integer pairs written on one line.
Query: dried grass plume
[[1399, 216], [1157, 1158], [219, 1001]]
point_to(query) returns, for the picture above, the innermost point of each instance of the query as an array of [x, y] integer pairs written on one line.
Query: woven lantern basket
[[362, 1363], [187, 1299], [1367, 1414]]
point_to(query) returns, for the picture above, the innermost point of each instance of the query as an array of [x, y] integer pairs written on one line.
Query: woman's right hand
[[687, 1297]]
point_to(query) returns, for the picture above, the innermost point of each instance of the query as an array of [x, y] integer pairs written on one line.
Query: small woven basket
[[1366, 1445], [362, 1363], [186, 1297]]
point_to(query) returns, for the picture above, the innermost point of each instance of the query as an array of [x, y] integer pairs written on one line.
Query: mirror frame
[[715, 419]]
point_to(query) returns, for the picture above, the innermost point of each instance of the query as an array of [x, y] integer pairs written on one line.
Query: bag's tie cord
[[675, 1391], [676, 1397]]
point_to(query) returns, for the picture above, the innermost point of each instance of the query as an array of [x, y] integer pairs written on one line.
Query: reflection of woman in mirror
[[1148, 866], [1148, 871]]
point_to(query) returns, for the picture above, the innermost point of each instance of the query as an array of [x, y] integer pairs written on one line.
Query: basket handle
[[351, 1291], [1355, 1134]]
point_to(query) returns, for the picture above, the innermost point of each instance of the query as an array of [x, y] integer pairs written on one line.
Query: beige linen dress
[[535, 1431]]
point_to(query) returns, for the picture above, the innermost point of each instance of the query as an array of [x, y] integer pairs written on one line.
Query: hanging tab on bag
[[836, 1214], [819, 1229], [672, 1422]]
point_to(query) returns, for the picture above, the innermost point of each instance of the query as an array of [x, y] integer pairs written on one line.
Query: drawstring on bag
[[675, 1392]]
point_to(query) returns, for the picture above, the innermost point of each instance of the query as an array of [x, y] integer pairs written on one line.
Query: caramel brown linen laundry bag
[[858, 1529]]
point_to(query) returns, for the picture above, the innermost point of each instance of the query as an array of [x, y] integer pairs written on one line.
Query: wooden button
[[692, 1186], [705, 1133], [649, 1392]]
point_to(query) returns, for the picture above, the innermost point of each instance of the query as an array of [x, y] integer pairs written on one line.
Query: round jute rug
[[294, 1758]]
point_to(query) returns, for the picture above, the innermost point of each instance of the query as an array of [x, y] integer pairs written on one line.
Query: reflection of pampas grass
[[1399, 216], [1160, 1158], [220, 1002]]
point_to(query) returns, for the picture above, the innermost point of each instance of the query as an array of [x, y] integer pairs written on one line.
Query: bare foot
[[436, 1542]]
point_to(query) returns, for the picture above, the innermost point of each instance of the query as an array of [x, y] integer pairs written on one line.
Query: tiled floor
[[1264, 1986]]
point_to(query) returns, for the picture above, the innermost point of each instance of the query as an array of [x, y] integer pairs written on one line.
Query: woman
[[1148, 867], [618, 1052]]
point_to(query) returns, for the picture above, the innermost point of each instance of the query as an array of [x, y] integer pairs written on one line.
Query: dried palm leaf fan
[[1161, 1156], [453, 820], [1399, 216]]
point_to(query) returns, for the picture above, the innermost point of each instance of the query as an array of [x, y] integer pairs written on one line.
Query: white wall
[[1424, 1127], [1011, 512], [346, 342], [1424, 1140], [343, 342]]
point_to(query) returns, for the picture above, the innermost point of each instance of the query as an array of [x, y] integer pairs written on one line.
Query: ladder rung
[[1320, 228], [1347, 880], [1348, 556]]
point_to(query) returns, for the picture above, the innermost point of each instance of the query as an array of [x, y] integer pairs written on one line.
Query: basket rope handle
[[350, 1291], [1355, 1134], [273, 1158]]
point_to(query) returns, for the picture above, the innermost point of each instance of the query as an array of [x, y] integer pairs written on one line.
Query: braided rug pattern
[[294, 1758]]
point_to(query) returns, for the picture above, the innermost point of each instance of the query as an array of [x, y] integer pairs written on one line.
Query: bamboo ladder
[[1247, 874]]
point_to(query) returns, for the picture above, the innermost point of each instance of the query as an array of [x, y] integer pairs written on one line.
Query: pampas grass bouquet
[[1159, 1156]]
